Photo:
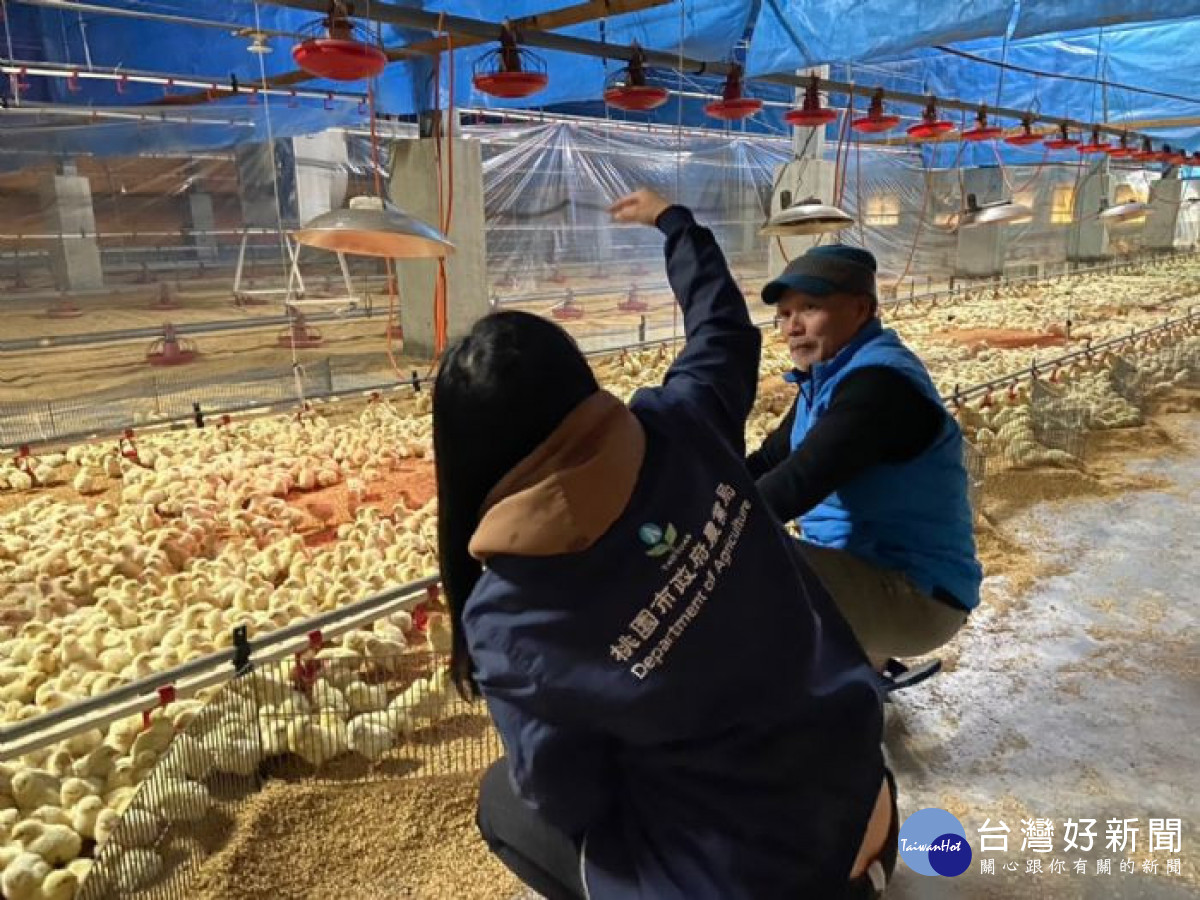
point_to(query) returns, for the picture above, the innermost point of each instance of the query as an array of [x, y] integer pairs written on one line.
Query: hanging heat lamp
[[1146, 154], [1064, 141], [982, 130], [733, 106], [1120, 150], [1026, 136], [811, 114], [369, 227], [1095, 145], [629, 91], [809, 216], [999, 212], [875, 121], [1122, 212], [930, 125], [510, 71], [345, 51]]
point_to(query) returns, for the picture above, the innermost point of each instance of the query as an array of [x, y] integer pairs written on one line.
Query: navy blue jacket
[[678, 692]]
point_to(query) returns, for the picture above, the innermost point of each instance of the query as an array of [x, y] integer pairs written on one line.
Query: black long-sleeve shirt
[[875, 416]]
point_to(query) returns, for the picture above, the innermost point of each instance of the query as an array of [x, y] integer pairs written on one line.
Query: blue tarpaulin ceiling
[[1139, 43]]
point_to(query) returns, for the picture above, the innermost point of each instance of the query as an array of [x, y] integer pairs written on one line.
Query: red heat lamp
[[510, 72], [346, 51], [930, 125], [982, 130], [811, 114], [1025, 137], [170, 349], [875, 121], [1064, 141], [629, 90], [733, 106], [1095, 145]]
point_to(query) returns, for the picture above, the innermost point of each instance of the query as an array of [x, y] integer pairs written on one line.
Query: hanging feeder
[[1095, 145], [930, 125], [1173, 157], [733, 106], [1120, 150], [633, 302], [510, 72], [1025, 137], [811, 114], [982, 130], [1146, 154], [344, 51], [629, 91], [875, 121], [299, 333], [568, 308], [1064, 141], [171, 349]]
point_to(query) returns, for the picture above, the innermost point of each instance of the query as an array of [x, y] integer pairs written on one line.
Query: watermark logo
[[933, 842], [658, 540]]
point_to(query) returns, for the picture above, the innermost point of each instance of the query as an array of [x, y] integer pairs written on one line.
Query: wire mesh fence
[[1059, 420], [1128, 380], [975, 461], [331, 716]]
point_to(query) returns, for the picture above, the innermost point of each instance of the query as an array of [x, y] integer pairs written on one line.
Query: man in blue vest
[[868, 463]]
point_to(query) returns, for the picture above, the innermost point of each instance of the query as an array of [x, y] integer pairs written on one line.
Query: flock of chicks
[[176, 541]]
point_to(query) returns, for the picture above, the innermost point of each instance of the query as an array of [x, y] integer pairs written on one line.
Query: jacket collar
[[569, 491]]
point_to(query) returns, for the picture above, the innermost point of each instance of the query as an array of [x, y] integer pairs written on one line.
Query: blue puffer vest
[[913, 516]]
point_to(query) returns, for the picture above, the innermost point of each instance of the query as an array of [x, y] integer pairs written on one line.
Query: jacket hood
[[570, 490]]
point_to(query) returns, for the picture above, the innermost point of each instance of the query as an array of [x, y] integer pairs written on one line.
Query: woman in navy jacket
[[685, 714]]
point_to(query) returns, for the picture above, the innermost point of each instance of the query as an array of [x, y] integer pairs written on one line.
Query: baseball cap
[[825, 270]]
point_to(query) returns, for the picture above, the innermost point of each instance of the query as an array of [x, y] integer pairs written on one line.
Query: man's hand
[[642, 207]]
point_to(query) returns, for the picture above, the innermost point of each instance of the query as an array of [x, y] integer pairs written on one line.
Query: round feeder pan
[[63, 311], [810, 118], [875, 124], [177, 357], [636, 97], [925, 130], [634, 306], [733, 110], [982, 134], [339, 60], [302, 339], [570, 312], [394, 333], [1061, 143], [1023, 140], [511, 85], [1093, 148]]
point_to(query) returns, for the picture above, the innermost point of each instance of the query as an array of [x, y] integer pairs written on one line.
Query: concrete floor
[[1079, 700]]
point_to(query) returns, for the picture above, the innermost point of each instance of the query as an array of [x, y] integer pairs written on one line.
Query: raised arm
[[717, 370]]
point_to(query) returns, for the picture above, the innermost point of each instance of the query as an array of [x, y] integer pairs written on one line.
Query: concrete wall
[[66, 202]]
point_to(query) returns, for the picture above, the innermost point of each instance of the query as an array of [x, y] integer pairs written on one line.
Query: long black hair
[[499, 393]]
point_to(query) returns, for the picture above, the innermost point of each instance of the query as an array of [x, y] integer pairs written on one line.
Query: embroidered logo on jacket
[[658, 540]]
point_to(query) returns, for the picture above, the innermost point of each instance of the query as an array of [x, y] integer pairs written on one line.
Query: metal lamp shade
[[806, 217], [374, 232], [999, 213], [1124, 212]]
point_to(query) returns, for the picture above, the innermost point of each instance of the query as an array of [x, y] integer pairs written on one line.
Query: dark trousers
[[543, 857], [548, 860]]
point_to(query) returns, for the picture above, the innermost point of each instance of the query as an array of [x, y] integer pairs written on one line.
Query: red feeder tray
[[165, 299], [339, 60], [982, 130], [510, 72], [629, 90], [930, 125], [568, 308], [733, 106], [1146, 154], [1064, 141], [636, 97], [633, 303], [1095, 145], [299, 335], [875, 121], [811, 114], [63, 309], [170, 349], [1025, 137]]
